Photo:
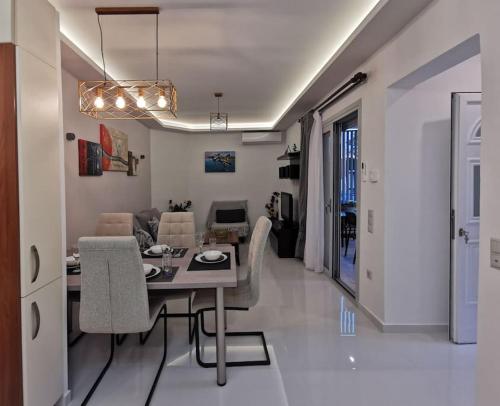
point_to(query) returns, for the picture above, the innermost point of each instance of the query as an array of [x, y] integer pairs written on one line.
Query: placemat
[[179, 252], [72, 270], [220, 266], [163, 277]]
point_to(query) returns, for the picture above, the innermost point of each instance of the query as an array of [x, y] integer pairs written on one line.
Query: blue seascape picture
[[220, 161]]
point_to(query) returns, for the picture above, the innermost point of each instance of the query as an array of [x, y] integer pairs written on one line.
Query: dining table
[[185, 278]]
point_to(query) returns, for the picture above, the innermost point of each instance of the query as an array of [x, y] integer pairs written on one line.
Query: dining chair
[[108, 224], [115, 224], [242, 298], [177, 229], [114, 296], [349, 231]]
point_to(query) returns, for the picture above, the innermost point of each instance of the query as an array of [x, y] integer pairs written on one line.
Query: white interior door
[[328, 193], [466, 175]]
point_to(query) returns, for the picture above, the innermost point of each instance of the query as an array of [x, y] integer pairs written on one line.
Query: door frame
[[329, 123]]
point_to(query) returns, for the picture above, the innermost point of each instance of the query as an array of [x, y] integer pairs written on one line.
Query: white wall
[[87, 196], [418, 145], [169, 162], [488, 366], [181, 156], [420, 42], [6, 21]]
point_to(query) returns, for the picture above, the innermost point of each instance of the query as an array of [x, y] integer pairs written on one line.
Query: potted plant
[[272, 210], [179, 207]]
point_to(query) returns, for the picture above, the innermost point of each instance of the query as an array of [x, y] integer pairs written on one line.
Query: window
[[348, 165]]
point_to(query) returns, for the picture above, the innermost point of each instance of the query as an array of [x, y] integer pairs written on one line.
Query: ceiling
[[263, 54]]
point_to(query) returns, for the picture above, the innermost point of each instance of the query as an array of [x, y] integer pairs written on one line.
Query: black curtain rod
[[358, 79]]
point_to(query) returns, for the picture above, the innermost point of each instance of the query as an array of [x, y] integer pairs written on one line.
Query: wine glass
[[199, 239]]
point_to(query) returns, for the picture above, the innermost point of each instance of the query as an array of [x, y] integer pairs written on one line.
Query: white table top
[[184, 279]]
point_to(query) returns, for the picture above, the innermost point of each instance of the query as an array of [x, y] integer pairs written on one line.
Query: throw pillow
[[144, 239], [153, 227], [230, 216], [143, 217]]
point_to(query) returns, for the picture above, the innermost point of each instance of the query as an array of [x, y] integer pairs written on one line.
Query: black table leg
[[237, 252]]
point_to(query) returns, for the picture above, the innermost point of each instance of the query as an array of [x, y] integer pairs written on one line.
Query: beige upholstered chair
[[243, 297], [115, 224], [114, 297], [177, 229]]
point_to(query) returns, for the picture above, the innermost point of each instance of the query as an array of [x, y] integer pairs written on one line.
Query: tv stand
[[283, 237]]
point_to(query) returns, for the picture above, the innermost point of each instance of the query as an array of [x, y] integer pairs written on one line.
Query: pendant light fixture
[[218, 121], [128, 99]]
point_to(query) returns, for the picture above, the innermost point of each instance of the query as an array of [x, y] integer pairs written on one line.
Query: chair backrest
[[114, 297], [115, 224], [177, 229], [256, 254]]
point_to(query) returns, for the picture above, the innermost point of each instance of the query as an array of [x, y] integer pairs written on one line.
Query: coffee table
[[228, 237]]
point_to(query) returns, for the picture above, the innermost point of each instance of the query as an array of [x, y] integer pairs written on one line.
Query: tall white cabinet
[[36, 33]]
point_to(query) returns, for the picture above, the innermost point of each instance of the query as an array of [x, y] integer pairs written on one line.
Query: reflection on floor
[[324, 351], [347, 268]]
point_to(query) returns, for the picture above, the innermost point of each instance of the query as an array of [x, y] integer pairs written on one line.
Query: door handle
[[36, 256], [35, 320], [465, 234]]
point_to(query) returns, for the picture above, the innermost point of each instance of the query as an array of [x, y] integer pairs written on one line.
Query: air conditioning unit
[[261, 137]]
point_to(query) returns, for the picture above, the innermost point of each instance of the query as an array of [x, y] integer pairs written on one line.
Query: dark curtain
[[306, 124]]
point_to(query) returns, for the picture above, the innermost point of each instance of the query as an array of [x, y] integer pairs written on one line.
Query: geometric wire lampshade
[[128, 99], [218, 121]]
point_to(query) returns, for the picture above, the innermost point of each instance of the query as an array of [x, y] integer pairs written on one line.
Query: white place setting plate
[[151, 271], [201, 258], [156, 250]]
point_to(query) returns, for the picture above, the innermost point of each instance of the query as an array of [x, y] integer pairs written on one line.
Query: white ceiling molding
[[371, 24]]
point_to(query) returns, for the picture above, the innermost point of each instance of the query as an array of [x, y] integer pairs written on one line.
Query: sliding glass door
[[341, 166]]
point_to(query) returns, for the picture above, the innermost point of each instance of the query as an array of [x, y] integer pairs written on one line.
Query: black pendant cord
[[102, 47], [157, 48]]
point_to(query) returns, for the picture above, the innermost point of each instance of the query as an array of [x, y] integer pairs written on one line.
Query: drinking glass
[[212, 240], [199, 239], [166, 261]]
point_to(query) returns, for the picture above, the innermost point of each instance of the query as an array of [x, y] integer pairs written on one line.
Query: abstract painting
[[114, 149], [89, 158], [220, 161], [132, 164]]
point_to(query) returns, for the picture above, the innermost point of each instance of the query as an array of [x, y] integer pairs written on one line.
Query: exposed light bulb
[[141, 102], [162, 102], [120, 102], [99, 102]]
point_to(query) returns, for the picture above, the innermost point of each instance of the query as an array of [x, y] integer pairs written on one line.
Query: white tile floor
[[313, 362]]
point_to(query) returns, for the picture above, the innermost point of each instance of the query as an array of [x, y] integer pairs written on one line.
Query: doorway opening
[[424, 220], [341, 186]]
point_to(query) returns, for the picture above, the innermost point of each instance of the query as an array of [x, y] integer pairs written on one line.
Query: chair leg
[[199, 319], [189, 317], [160, 368], [354, 259], [346, 245], [144, 337], [103, 372], [75, 340], [119, 340]]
